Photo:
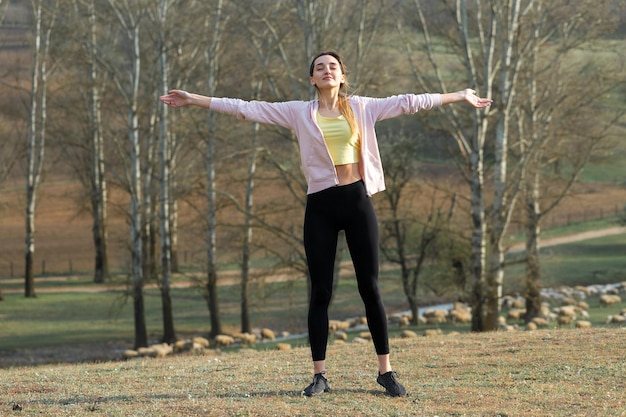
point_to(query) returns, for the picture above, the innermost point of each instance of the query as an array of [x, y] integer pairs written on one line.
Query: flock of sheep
[[572, 309]]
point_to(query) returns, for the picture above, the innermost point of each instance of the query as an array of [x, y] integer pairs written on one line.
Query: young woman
[[343, 169]]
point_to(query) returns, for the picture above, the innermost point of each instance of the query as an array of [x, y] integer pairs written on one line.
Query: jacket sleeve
[[280, 114], [393, 106]]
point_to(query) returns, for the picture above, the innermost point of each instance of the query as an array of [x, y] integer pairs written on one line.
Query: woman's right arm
[[180, 98], [282, 114]]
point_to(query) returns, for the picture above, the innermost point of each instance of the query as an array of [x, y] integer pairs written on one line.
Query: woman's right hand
[[176, 98]]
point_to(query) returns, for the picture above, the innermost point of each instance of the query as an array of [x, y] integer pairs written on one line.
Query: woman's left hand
[[475, 101]]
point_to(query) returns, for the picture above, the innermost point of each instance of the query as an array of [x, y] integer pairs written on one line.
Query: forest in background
[[106, 62]]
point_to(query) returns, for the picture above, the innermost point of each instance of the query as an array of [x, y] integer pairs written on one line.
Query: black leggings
[[346, 208]]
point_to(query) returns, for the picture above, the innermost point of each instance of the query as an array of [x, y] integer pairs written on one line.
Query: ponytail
[[348, 113]]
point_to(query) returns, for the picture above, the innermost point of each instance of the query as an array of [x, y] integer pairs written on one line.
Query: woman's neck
[[329, 100]]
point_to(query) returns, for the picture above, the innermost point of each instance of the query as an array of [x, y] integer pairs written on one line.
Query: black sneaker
[[390, 382], [318, 386]]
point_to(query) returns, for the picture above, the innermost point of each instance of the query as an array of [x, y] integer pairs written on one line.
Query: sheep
[[583, 305], [334, 325], [365, 335], [569, 301], [564, 320], [246, 339], [283, 347], [539, 322], [516, 314], [400, 320], [223, 340], [460, 314], [408, 334], [341, 335], [583, 324], [149, 352], [617, 319], [608, 299], [583, 289], [130, 354], [162, 350], [432, 332], [567, 311], [201, 341], [182, 346], [435, 316], [267, 334], [531, 326]]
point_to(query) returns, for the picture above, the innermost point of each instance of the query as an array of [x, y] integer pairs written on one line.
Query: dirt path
[[577, 237]]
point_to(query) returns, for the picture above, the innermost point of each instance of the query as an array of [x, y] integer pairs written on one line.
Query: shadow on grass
[[89, 403], [298, 393]]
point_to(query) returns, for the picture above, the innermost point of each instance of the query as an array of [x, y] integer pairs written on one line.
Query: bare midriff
[[348, 173]]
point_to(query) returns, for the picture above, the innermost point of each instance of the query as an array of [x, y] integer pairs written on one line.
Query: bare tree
[[129, 19], [44, 23], [87, 33], [165, 161], [215, 25], [470, 134]]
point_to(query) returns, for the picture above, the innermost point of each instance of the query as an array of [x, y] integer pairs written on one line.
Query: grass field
[[541, 373]]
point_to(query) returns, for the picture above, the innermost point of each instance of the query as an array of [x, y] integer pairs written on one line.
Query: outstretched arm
[[468, 95], [180, 98]]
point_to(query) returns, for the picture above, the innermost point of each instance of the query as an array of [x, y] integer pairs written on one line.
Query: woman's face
[[327, 73]]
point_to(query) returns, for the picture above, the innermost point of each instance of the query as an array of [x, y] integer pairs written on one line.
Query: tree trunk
[[98, 181], [246, 326], [212, 55], [479, 230], [533, 271], [129, 22], [169, 334], [36, 136]]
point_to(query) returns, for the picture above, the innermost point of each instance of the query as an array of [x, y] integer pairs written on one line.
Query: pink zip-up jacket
[[299, 116]]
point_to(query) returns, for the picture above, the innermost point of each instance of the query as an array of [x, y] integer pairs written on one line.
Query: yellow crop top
[[344, 147]]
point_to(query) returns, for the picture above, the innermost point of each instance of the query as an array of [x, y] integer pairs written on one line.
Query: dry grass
[[543, 373]]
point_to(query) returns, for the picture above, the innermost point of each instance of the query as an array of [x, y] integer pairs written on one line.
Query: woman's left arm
[[468, 95]]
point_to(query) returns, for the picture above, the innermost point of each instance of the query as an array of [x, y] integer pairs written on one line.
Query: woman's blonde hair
[[344, 104]]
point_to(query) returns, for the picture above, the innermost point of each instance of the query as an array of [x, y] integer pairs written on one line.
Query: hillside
[[541, 373]]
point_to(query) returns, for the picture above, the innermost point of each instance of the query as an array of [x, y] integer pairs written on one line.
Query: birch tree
[[470, 134], [128, 14], [214, 25], [86, 30], [246, 323], [165, 160], [43, 20]]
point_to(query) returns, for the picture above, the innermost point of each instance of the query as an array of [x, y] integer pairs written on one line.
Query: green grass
[[594, 261]]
